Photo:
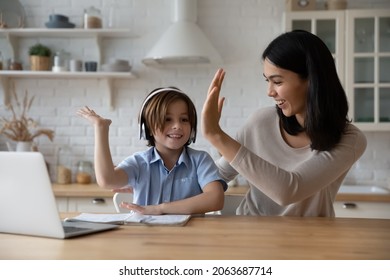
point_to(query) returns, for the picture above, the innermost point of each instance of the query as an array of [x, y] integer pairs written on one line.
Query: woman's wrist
[[216, 138], [226, 146]]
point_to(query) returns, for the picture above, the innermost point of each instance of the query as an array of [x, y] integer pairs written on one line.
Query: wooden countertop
[[93, 190], [80, 190], [88, 190], [217, 237]]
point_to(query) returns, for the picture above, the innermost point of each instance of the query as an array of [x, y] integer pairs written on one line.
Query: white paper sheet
[[132, 217]]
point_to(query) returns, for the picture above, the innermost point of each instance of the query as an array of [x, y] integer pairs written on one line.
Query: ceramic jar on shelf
[[92, 18], [85, 172]]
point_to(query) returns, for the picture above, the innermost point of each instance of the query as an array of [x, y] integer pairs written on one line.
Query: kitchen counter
[[242, 189], [80, 190], [93, 190], [88, 190]]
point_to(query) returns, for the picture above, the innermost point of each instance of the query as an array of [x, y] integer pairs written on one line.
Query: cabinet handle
[[98, 201], [349, 205]]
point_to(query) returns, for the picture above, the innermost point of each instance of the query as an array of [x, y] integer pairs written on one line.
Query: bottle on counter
[[15, 65], [113, 18], [64, 165], [85, 173]]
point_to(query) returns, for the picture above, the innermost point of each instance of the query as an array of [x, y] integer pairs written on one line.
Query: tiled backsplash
[[238, 29]]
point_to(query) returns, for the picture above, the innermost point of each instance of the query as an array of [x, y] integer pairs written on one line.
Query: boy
[[169, 177]]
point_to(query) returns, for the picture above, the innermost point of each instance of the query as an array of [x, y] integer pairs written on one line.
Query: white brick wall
[[238, 29]]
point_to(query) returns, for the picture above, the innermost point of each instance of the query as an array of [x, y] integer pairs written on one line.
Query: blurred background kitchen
[[239, 31]]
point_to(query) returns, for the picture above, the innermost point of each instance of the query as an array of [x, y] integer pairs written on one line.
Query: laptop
[[27, 202]]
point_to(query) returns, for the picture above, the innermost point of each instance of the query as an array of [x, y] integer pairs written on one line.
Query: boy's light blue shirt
[[154, 184]]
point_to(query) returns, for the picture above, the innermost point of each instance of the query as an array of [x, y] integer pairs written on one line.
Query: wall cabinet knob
[[349, 205], [98, 201]]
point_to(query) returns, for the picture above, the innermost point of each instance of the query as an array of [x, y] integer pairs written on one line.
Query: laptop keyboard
[[70, 229]]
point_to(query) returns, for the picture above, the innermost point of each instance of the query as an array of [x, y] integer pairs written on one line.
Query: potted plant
[[40, 57], [19, 127]]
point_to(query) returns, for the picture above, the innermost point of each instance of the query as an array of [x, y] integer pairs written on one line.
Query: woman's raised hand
[[212, 107]]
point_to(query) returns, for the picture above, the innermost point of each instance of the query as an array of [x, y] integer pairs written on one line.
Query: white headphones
[[141, 122]]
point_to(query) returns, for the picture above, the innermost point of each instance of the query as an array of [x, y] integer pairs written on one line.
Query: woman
[[294, 156]]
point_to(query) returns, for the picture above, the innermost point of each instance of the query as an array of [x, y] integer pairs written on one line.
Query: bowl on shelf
[[116, 65], [59, 21], [58, 17]]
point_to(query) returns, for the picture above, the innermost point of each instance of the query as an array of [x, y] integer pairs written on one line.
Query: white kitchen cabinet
[[365, 52], [362, 209], [231, 204], [368, 65], [329, 26], [62, 204], [12, 36], [83, 198], [85, 204], [345, 209]]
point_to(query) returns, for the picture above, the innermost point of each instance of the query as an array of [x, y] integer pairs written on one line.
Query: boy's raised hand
[[92, 117]]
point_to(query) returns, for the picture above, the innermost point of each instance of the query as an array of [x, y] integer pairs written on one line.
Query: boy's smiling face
[[177, 128]]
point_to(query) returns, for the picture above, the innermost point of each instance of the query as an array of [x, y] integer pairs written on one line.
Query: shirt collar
[[184, 158]]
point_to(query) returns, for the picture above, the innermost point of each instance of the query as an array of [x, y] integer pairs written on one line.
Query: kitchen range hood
[[184, 42]]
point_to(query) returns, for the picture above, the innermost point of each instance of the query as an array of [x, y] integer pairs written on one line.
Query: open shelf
[[66, 33], [12, 36], [106, 77]]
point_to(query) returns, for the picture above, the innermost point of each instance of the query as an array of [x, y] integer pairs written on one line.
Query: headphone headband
[[154, 93]]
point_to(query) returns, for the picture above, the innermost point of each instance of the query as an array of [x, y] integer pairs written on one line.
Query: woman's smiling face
[[288, 90]]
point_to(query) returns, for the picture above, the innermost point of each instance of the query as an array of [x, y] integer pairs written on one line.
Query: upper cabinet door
[[368, 68], [329, 26]]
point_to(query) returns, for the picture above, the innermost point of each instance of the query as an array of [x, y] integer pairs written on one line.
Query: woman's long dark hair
[[326, 105]]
